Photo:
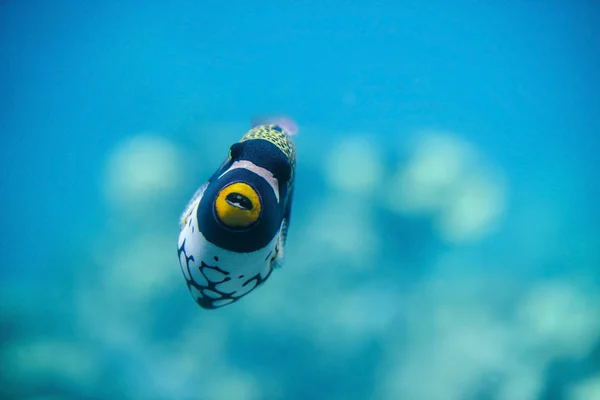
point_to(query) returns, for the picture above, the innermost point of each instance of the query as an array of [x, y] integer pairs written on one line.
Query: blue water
[[518, 81]]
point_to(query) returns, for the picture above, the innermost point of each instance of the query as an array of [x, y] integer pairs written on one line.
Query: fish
[[234, 229]]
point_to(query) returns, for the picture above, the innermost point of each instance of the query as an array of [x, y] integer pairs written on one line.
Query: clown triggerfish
[[233, 230]]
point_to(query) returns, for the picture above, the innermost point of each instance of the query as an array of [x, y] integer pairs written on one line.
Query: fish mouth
[[238, 200]]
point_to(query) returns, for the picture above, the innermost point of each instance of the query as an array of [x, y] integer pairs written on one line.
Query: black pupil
[[239, 201]]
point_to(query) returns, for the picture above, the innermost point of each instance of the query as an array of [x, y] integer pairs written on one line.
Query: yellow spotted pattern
[[278, 137]]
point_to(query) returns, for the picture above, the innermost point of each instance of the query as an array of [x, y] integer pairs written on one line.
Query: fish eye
[[239, 200], [238, 205]]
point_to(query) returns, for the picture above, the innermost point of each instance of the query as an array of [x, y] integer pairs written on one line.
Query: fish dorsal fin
[[286, 123]]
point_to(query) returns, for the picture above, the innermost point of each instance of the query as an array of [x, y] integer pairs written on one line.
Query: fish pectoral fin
[[279, 257], [183, 219]]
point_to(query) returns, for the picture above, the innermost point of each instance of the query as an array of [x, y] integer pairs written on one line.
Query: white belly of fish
[[218, 275]]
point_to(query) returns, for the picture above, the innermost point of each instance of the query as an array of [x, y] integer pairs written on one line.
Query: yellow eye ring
[[238, 205]]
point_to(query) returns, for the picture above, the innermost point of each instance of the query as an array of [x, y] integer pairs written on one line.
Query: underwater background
[[445, 236]]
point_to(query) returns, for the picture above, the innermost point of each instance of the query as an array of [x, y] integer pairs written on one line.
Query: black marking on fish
[[187, 258], [203, 267], [208, 303]]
